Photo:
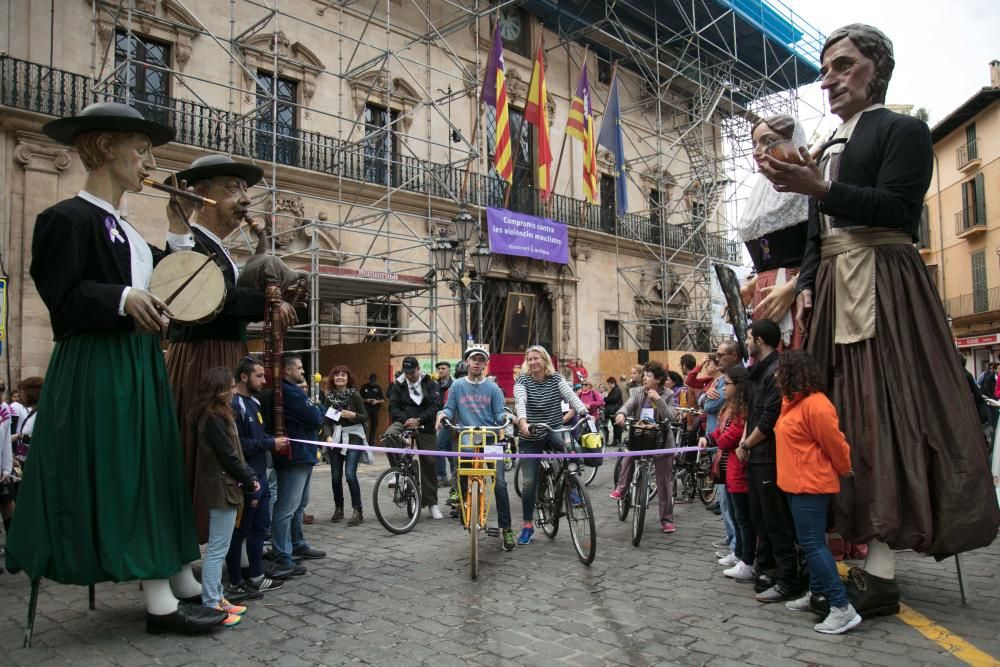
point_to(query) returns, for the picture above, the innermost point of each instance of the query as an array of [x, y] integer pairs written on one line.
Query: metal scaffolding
[[696, 73]]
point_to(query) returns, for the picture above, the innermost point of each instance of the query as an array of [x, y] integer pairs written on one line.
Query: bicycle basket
[[643, 439]]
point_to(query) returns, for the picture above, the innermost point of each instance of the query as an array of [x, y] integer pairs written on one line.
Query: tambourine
[[202, 288]]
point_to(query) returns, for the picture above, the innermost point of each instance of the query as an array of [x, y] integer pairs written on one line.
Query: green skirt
[[104, 496]]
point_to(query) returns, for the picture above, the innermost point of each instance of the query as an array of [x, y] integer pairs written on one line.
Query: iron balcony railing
[[39, 88], [968, 218], [980, 301], [966, 153]]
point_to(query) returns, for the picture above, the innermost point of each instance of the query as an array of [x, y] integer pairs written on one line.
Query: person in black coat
[[612, 403]]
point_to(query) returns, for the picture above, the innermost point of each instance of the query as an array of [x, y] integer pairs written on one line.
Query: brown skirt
[[920, 480], [767, 279], [186, 363]]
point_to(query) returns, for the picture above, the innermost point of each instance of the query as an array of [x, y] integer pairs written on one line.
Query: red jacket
[[727, 438], [811, 451]]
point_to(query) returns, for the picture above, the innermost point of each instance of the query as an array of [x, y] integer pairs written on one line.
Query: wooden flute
[[177, 191]]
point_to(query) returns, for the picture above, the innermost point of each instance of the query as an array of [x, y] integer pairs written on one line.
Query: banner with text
[[527, 236]]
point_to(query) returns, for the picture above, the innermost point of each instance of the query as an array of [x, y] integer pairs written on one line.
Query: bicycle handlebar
[[458, 427]]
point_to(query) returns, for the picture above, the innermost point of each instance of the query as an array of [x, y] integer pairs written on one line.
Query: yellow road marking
[[940, 635]]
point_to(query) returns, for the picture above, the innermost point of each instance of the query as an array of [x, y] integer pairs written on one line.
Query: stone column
[[32, 191]]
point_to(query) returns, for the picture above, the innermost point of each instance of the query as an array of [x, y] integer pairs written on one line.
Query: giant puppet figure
[[920, 477], [104, 496]]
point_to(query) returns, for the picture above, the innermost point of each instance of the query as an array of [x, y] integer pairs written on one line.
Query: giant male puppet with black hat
[[104, 497], [220, 338], [920, 476]]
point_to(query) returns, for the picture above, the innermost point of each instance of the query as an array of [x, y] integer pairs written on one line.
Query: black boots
[[338, 514], [357, 519], [871, 595]]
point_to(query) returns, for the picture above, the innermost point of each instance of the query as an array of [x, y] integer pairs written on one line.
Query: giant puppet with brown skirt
[[104, 496], [920, 476]]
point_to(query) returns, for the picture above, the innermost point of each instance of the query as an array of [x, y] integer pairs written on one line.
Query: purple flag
[[525, 235], [496, 60]]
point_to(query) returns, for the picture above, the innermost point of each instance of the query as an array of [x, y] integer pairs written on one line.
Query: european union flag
[[611, 138]]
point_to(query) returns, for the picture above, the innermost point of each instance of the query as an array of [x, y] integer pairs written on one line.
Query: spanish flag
[[536, 113], [581, 126], [495, 94]]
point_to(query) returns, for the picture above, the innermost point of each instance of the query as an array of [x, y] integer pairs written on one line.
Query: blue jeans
[[254, 526], [346, 465], [221, 521], [445, 443], [726, 507], [809, 512], [293, 494], [529, 470]]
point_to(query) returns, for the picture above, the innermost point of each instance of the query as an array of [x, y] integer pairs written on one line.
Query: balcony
[[969, 224], [54, 92], [971, 305], [967, 156]]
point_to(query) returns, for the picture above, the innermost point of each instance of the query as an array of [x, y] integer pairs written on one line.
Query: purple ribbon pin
[[113, 233]]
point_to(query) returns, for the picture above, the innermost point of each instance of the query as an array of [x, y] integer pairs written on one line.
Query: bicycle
[[396, 496], [588, 442], [555, 487], [643, 435], [692, 477], [480, 475]]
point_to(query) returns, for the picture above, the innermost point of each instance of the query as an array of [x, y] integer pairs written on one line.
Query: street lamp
[[451, 263]]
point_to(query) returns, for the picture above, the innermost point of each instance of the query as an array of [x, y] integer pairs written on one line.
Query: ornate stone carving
[[295, 61], [517, 87], [170, 22], [374, 87], [517, 267], [36, 156]]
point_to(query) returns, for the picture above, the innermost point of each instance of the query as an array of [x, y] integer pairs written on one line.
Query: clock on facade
[[510, 24]]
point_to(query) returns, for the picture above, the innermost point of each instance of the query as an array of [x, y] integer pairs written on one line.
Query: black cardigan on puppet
[[79, 271], [242, 304], [885, 170]]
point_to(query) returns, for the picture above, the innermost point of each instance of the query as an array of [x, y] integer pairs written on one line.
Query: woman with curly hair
[[727, 438], [812, 456], [345, 424]]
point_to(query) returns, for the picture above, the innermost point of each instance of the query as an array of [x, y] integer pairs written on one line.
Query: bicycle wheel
[[641, 500], [706, 488], [625, 503], [517, 478], [545, 503], [617, 472], [582, 528], [588, 474], [397, 507], [474, 500]]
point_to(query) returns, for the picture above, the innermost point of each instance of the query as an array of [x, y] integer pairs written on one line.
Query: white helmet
[[476, 348]]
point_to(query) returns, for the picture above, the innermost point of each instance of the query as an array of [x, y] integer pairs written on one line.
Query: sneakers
[[668, 527], [436, 512], [453, 496], [729, 560], [615, 495], [230, 608], [776, 593], [525, 536], [231, 620], [722, 553], [308, 553], [241, 592], [508, 539], [740, 572], [721, 544], [801, 604], [838, 621], [263, 583]]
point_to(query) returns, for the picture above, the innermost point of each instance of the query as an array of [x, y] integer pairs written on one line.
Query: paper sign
[[493, 452], [333, 415], [647, 413], [564, 406]]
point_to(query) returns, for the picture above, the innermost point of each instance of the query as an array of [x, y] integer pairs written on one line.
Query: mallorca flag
[[581, 126], [611, 138], [536, 113], [495, 94]]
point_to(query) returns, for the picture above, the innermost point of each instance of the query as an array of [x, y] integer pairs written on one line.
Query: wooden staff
[[274, 348]]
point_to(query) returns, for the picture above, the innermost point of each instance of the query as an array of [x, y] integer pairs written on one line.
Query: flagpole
[[555, 177], [468, 167]]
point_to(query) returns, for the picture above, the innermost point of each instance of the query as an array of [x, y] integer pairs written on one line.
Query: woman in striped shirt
[[538, 397]]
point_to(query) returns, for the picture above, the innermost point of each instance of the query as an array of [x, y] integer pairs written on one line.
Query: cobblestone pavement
[[408, 600]]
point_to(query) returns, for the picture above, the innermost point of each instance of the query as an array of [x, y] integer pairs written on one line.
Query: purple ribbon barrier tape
[[481, 455]]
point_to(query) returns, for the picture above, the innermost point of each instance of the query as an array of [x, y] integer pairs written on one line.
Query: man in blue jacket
[[256, 521], [303, 420]]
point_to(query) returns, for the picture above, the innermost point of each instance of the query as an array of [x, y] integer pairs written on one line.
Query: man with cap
[[222, 341], [414, 400], [104, 498], [920, 478], [474, 400]]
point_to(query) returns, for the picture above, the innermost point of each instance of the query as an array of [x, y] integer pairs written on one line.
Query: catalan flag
[[536, 113], [495, 94], [581, 126], [611, 138]]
